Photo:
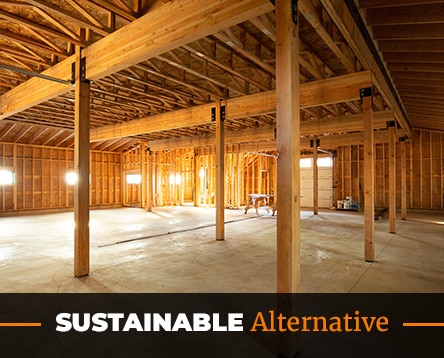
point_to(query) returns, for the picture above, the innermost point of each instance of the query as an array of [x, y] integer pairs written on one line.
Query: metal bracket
[[318, 143], [82, 71], [294, 9], [366, 92], [222, 114]]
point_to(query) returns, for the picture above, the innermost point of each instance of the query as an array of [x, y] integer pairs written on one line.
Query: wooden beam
[[37, 90], [333, 90], [408, 32], [392, 179], [267, 133], [171, 25], [315, 177], [196, 179], [307, 9], [403, 181], [342, 124], [288, 204], [384, 3], [410, 46], [340, 14], [81, 163], [406, 15], [149, 198], [220, 154], [144, 175], [369, 180]]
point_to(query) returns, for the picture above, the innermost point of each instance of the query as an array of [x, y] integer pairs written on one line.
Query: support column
[[287, 144], [143, 174], [315, 177], [220, 214], [369, 176], [288, 167], [392, 176], [196, 181], [81, 163], [149, 192], [403, 180]]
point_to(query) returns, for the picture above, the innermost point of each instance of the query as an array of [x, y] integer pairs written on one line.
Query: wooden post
[[143, 174], [288, 167], [369, 176], [287, 144], [392, 177], [149, 192], [81, 163], [315, 177], [403, 180], [196, 179], [220, 215]]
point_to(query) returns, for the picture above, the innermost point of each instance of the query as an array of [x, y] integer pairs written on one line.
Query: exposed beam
[[307, 9], [67, 16], [265, 136], [409, 32], [267, 133], [151, 35], [351, 31], [173, 24], [245, 53], [411, 45], [37, 90], [384, 3], [416, 14], [124, 13], [333, 90]]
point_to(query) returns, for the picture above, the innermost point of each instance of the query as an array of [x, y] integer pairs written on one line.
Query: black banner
[[221, 325]]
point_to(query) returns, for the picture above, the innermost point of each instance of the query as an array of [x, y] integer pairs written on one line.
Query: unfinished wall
[[182, 176], [40, 181], [425, 176]]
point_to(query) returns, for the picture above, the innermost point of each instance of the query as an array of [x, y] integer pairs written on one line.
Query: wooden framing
[[412, 157], [288, 177], [81, 163], [134, 43], [156, 75], [392, 179], [220, 173], [403, 180], [312, 95], [369, 183], [144, 176], [315, 177]]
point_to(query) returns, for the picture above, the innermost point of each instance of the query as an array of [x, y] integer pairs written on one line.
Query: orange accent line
[[423, 324], [21, 324]]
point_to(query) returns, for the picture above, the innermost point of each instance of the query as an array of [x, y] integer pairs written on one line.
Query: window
[[71, 178], [133, 178], [6, 177], [306, 162], [325, 162]]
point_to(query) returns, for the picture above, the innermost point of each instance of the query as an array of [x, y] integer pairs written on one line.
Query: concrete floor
[[173, 250]]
